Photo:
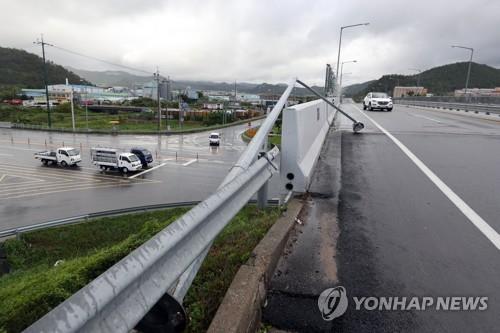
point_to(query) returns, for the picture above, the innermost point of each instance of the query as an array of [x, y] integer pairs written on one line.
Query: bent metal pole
[[356, 126]]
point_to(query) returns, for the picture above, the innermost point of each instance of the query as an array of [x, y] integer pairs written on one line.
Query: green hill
[[356, 88], [440, 80], [20, 69]]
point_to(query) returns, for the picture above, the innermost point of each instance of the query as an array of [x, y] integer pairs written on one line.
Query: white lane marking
[[66, 190], [2, 177], [1, 154], [146, 171], [189, 162], [424, 117], [477, 220]]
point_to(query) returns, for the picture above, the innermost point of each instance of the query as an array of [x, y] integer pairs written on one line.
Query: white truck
[[65, 156], [113, 159]]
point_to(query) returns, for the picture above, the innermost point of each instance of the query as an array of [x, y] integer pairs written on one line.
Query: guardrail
[[86, 217], [157, 275], [131, 132], [456, 99], [486, 108]]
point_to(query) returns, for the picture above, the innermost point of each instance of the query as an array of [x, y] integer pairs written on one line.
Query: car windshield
[[133, 158], [214, 136], [379, 95], [73, 152]]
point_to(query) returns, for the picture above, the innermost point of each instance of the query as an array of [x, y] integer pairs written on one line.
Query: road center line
[[477, 220], [146, 171], [2, 177], [189, 162]]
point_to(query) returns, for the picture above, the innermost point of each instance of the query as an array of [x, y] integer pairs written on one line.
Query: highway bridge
[[413, 212], [405, 207]]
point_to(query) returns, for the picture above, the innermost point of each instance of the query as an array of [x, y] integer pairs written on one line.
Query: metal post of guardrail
[[262, 195], [356, 125]]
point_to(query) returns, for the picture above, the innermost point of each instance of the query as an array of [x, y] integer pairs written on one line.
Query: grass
[[274, 139], [100, 121], [96, 120], [35, 285]]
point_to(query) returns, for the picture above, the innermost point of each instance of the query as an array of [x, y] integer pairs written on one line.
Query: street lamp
[[418, 76], [470, 62], [340, 81], [340, 42]]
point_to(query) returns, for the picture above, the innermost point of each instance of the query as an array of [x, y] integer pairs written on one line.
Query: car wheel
[[370, 107], [45, 162], [390, 109], [125, 170], [364, 106], [64, 164]]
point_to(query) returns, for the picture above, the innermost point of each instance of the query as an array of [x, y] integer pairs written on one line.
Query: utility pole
[[157, 79], [45, 80], [166, 105]]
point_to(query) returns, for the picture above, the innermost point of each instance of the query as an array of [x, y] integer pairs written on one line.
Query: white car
[[377, 100], [214, 139]]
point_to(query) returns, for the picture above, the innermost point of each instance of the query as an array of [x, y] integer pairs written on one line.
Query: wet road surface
[[187, 170], [400, 234]]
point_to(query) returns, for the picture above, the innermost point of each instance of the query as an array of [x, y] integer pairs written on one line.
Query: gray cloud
[[256, 40]]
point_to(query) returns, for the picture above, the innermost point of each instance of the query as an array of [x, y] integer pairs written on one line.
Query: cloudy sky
[[256, 40]]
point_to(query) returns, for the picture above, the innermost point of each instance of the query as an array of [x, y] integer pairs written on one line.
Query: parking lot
[[185, 169]]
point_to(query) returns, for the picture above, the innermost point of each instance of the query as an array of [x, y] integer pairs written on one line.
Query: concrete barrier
[[5, 124], [304, 129]]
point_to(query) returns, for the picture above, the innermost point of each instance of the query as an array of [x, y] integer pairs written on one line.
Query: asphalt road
[[401, 232], [32, 193]]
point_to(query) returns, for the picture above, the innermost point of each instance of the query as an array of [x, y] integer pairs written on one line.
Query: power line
[[101, 60]]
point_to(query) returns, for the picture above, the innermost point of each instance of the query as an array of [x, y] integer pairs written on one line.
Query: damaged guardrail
[[145, 289]]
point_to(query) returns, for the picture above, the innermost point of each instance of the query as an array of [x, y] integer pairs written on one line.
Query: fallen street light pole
[[356, 126]]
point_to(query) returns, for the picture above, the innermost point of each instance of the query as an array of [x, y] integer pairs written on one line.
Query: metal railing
[[486, 108], [160, 271], [113, 212], [117, 130]]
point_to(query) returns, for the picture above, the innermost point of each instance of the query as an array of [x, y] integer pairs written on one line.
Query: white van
[[214, 139]]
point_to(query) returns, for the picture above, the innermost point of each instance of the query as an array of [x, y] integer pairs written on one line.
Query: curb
[[240, 310]]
